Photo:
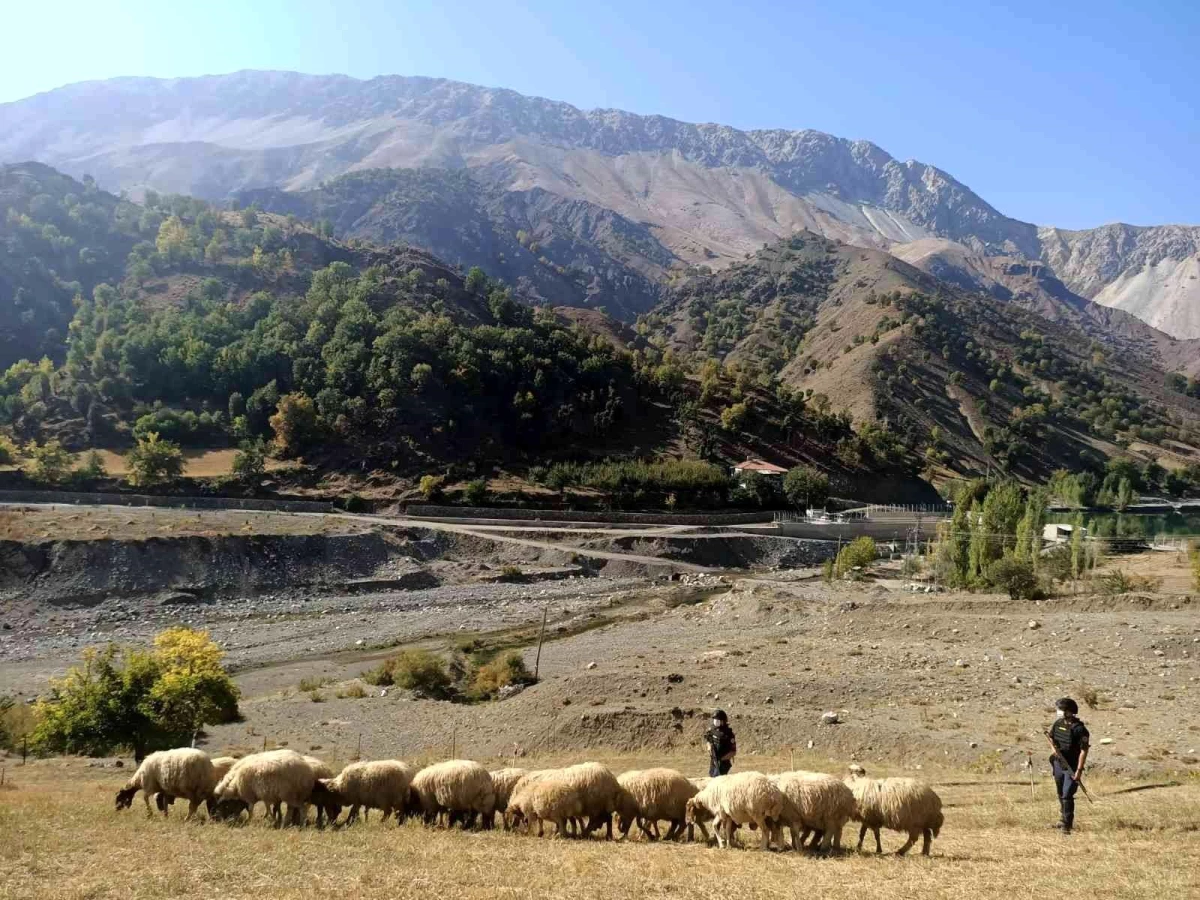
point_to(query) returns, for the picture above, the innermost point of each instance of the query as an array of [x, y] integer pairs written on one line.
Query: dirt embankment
[[79, 572]]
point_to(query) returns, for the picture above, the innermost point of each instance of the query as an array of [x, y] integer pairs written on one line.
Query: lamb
[[275, 777], [503, 782], [519, 809], [822, 804], [382, 784], [899, 804], [658, 794], [459, 787], [183, 772], [746, 798]]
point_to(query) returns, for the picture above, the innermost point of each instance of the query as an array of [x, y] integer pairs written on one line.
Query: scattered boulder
[[830, 718]]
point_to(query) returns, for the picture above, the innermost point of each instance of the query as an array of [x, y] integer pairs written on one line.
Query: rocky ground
[[634, 662]]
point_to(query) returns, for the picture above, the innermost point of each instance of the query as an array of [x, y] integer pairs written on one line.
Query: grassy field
[[60, 838]]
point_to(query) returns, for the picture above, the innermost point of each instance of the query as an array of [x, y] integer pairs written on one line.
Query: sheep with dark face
[[167, 774], [380, 784]]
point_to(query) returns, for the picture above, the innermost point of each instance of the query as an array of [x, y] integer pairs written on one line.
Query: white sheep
[[745, 798], [221, 765], [518, 810], [503, 782], [602, 795], [555, 799], [379, 784], [183, 772], [822, 803], [659, 794], [275, 777], [461, 788], [898, 804]]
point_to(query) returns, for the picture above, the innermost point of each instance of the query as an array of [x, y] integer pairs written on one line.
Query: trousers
[[1067, 786], [719, 767]]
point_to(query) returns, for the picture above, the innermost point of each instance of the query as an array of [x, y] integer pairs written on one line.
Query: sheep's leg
[[912, 839], [767, 830], [862, 834], [927, 836], [878, 843], [540, 832], [149, 811], [797, 841], [193, 805], [720, 831]]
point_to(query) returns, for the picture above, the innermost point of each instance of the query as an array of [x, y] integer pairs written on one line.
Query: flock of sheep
[[578, 799]]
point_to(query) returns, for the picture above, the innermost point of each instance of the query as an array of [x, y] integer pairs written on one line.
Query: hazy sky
[[1058, 112]]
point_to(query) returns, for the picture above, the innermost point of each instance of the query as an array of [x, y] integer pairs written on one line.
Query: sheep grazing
[[746, 798], [322, 770], [556, 799], [460, 788], [503, 782], [221, 765], [658, 795], [183, 772], [275, 777], [519, 810], [822, 804], [898, 804], [382, 784], [603, 796]]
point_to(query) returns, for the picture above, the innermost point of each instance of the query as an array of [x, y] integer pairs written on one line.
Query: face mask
[[1058, 714], [716, 723]]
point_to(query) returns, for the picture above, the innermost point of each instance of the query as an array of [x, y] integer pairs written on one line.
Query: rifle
[[1066, 765]]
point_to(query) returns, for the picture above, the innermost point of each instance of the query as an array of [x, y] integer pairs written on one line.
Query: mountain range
[[614, 205]]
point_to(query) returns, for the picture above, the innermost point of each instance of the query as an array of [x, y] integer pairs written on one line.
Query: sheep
[[658, 794], [899, 804], [275, 777], [459, 787], [183, 772], [558, 799], [518, 810], [382, 784], [823, 804], [503, 782], [746, 798], [322, 770], [602, 795], [221, 765]]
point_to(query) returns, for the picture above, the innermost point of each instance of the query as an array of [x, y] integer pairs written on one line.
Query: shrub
[[500, 672], [1014, 576], [18, 721], [352, 691], [511, 573], [475, 492], [49, 462], [430, 486], [734, 417], [92, 468], [1117, 581], [858, 554], [419, 671], [250, 461], [805, 487], [133, 698], [8, 451], [154, 461]]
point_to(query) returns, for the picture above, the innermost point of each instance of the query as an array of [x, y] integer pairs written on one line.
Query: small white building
[[1058, 533]]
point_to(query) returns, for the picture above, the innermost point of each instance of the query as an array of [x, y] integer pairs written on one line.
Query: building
[[1058, 533], [758, 467]]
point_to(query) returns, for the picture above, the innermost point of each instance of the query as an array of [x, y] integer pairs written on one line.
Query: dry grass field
[[60, 839]]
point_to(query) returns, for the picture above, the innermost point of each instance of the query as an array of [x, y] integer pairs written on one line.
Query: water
[[1134, 525]]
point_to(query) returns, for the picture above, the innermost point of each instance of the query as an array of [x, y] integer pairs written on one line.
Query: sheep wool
[[517, 811], [459, 787], [746, 798], [658, 795], [555, 799], [602, 795], [822, 804], [183, 772], [275, 777], [503, 782], [380, 784], [898, 804]]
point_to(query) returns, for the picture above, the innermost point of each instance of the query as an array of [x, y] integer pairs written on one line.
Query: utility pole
[[537, 661]]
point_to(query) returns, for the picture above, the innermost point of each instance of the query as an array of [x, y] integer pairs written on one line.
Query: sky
[[1056, 112]]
